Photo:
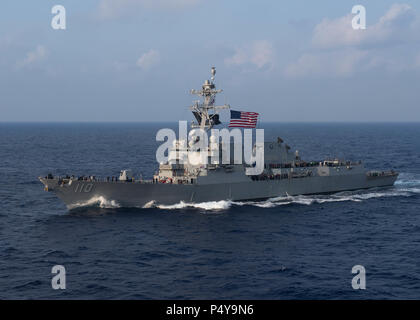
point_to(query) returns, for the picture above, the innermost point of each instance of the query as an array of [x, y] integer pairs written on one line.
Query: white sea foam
[[150, 204], [211, 205], [99, 201], [408, 180]]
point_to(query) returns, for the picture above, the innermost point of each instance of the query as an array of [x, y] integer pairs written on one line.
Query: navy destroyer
[[284, 173]]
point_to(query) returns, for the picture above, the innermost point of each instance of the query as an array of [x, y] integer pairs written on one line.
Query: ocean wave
[[211, 205], [319, 199], [408, 180], [99, 201], [150, 204]]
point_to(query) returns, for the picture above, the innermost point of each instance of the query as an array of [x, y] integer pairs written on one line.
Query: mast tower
[[206, 112]]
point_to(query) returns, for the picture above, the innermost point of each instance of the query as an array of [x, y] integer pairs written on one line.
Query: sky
[[137, 60]]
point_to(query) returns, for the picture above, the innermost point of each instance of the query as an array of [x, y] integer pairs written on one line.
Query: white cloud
[[330, 64], [399, 23], [337, 32], [259, 54], [40, 53], [109, 9], [148, 59], [338, 50]]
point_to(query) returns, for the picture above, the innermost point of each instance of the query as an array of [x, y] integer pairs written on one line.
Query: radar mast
[[206, 112]]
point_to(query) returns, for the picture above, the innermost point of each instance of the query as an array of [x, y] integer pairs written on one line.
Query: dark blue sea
[[300, 248]]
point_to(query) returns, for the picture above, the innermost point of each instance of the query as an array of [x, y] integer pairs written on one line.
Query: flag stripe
[[246, 119], [251, 117], [242, 121]]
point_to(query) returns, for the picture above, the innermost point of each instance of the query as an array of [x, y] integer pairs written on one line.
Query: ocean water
[[300, 247]]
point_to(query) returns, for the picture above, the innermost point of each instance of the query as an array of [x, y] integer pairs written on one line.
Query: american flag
[[243, 119]]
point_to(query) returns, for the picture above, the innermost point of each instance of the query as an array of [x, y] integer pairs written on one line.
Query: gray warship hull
[[143, 194]]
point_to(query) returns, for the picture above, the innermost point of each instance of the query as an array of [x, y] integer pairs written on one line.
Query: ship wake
[[211, 205], [406, 186], [99, 202]]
